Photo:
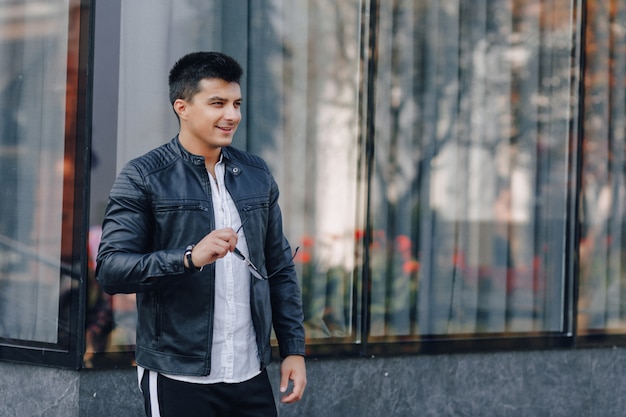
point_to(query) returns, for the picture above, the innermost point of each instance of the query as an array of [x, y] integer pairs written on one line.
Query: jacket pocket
[[178, 223]]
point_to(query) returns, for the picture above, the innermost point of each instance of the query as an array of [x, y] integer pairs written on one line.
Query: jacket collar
[[197, 160], [185, 155]]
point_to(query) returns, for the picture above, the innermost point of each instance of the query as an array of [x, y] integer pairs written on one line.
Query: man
[[194, 228]]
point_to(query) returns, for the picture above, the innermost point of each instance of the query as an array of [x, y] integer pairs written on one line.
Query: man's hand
[[213, 246], [294, 369]]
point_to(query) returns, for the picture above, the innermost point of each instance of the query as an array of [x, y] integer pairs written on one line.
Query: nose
[[232, 113]]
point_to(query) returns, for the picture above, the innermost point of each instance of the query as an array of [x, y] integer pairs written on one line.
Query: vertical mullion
[[370, 55]]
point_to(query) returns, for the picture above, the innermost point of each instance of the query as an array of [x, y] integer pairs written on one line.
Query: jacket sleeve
[[285, 294], [126, 262]]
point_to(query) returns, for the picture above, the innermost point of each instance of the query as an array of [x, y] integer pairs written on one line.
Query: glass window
[[300, 99], [136, 43], [474, 113], [602, 295], [40, 78], [303, 89], [458, 224], [428, 157]]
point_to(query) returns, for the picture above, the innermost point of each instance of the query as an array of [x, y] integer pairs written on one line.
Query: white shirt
[[234, 351]]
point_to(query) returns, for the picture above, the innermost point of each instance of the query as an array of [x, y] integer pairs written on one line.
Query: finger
[[299, 383], [221, 248], [210, 249], [284, 380], [227, 235], [294, 396], [290, 398]]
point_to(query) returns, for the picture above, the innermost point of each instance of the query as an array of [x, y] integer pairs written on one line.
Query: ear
[[180, 107]]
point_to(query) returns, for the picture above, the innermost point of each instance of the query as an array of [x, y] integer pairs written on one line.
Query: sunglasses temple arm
[[295, 252]]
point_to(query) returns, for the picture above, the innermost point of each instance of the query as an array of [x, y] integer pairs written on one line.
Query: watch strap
[[189, 261]]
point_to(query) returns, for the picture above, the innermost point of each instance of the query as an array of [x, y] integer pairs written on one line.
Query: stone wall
[[582, 382]]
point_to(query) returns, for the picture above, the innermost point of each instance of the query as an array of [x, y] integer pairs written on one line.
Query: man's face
[[210, 118]]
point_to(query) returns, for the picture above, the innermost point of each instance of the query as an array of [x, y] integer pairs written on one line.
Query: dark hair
[[186, 74]]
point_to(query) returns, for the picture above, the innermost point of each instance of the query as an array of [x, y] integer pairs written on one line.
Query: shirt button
[[235, 170]]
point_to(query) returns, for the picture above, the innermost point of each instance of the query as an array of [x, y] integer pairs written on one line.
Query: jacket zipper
[[173, 207], [157, 317]]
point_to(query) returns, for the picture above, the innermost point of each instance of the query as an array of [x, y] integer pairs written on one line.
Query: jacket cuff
[[291, 347]]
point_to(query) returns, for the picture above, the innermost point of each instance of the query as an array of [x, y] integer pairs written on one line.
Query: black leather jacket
[[159, 204]]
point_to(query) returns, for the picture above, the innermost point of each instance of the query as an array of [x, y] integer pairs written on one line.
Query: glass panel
[[133, 34], [300, 99], [303, 90], [602, 295], [38, 90], [468, 198]]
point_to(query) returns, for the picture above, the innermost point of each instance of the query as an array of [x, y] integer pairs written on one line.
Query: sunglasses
[[253, 269]]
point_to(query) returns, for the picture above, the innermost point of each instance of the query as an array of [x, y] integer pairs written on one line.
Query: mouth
[[226, 129]]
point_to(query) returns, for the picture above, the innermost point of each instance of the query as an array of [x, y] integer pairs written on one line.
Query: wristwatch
[[189, 261]]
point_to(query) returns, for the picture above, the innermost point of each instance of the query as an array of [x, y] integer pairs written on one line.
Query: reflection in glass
[[134, 33], [602, 295], [473, 123], [469, 189], [302, 118], [38, 78], [300, 92]]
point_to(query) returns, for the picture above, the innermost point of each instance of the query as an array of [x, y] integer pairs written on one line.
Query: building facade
[[453, 174]]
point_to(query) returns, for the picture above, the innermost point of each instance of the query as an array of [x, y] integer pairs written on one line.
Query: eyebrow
[[222, 98]]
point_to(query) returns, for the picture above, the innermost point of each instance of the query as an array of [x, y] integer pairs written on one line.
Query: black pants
[[252, 398]]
